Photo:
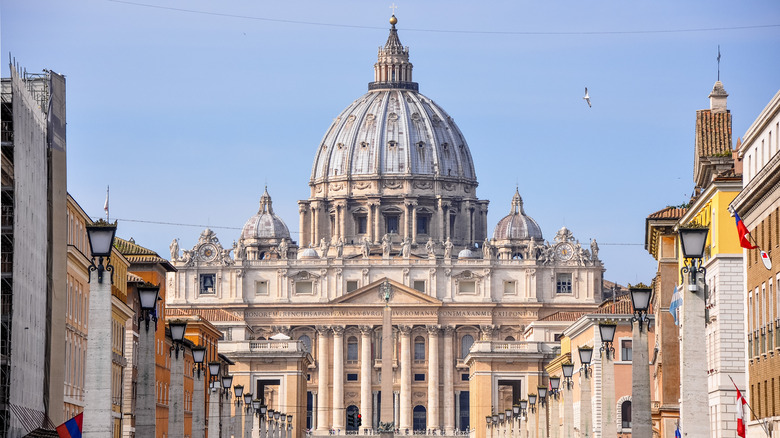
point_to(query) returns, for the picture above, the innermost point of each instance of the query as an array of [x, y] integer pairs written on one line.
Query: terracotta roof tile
[[668, 213], [563, 316], [211, 315], [129, 247]]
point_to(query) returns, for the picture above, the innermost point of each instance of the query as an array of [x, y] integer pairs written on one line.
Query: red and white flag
[[741, 420]]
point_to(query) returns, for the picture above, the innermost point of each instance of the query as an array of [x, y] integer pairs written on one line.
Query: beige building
[[393, 227]]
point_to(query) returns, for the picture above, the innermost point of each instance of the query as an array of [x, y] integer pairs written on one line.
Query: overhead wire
[[453, 31]]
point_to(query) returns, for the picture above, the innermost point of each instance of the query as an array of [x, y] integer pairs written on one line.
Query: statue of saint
[[283, 247], [386, 246], [340, 248], [487, 252], [430, 247], [174, 250], [594, 250], [447, 249], [324, 247], [366, 247], [406, 248]]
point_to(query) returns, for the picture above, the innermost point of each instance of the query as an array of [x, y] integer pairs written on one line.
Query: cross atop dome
[[393, 69]]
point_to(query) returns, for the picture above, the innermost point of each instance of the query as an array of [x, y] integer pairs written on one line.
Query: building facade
[[396, 303], [758, 204]]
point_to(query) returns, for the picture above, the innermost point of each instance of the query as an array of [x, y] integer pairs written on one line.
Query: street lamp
[[640, 300], [555, 383], [607, 332], [532, 401], [198, 356], [177, 335], [101, 239], [227, 382], [542, 395], [523, 406], [97, 387], [641, 423], [586, 354], [148, 294], [568, 372]]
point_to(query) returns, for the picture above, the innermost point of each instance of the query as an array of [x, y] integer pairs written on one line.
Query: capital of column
[[323, 330], [488, 331], [366, 330], [433, 329], [338, 330], [449, 330], [405, 330]]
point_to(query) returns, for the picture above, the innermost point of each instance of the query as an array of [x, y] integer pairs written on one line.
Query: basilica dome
[[517, 225], [393, 131], [265, 224]]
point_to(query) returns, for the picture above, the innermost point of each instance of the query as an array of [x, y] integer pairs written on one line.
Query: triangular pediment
[[373, 294]]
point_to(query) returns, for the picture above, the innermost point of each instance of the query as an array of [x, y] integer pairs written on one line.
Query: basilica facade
[[395, 302]]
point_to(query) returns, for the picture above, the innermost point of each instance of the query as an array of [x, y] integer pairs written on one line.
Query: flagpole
[[763, 425]]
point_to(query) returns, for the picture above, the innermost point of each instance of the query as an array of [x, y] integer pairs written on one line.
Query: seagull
[[587, 98]]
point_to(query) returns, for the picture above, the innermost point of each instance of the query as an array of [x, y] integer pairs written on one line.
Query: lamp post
[[542, 390], [509, 423], [289, 425], [488, 422], [641, 423], [146, 397], [98, 420], [555, 407], [568, 406], [271, 432], [694, 409], [214, 398], [501, 425], [277, 425], [586, 400], [516, 418], [248, 415], [238, 423], [198, 397], [226, 430], [260, 410], [533, 431], [176, 399], [607, 381], [524, 413]]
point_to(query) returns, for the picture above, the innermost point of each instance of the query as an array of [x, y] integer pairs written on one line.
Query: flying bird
[[587, 98]]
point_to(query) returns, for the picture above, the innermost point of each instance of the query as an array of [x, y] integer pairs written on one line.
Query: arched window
[[418, 418], [509, 338], [419, 348], [465, 345], [625, 414], [352, 348], [306, 343]]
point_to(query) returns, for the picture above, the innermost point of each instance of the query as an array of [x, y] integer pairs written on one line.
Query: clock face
[[207, 252], [564, 251]]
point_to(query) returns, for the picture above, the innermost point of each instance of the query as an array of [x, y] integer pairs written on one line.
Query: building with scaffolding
[[34, 252]]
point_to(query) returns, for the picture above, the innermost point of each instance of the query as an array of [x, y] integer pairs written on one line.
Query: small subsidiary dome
[[265, 224], [517, 225]]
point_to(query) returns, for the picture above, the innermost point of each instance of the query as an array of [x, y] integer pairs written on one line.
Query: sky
[[187, 109]]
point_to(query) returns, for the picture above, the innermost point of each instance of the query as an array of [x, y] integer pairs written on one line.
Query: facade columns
[[322, 379], [370, 223], [314, 224], [302, 223], [396, 406], [338, 377], [457, 411], [375, 395], [376, 223], [366, 405], [433, 377], [448, 393], [406, 378], [414, 223]]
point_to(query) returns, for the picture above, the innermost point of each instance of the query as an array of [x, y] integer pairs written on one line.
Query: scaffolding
[[6, 249]]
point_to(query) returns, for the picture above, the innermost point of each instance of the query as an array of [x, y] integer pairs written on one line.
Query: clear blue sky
[[188, 113]]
